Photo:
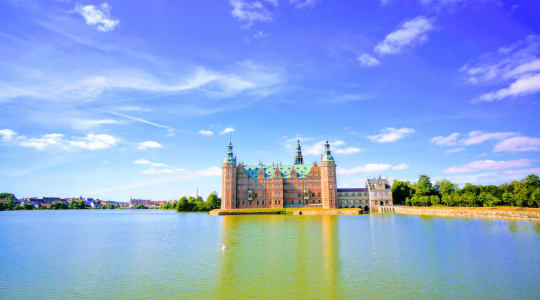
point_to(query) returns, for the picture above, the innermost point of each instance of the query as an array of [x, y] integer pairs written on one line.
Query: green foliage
[[424, 186], [77, 204], [401, 190], [58, 205], [7, 196], [27, 206], [110, 206], [139, 206], [525, 193], [213, 201]]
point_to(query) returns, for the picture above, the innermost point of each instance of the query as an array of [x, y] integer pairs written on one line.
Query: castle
[[296, 185]]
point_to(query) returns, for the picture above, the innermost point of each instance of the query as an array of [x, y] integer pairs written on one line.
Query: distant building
[[380, 193], [353, 198]]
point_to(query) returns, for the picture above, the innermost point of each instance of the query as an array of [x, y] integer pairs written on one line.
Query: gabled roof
[[301, 170]]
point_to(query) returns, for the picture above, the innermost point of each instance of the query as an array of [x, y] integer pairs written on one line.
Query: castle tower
[[298, 159], [328, 178], [228, 179]]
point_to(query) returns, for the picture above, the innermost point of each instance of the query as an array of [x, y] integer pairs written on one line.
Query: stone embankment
[[286, 211], [530, 214]]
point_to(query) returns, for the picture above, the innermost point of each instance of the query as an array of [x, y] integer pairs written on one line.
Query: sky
[[123, 99]]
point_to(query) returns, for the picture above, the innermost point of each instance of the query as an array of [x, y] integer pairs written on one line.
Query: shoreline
[[503, 212], [287, 211]]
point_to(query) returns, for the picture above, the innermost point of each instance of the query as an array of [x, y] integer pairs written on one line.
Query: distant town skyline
[[118, 99]]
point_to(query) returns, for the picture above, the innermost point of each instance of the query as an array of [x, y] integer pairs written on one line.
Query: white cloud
[[246, 77], [477, 137], [526, 85], [251, 11], [402, 166], [89, 123], [518, 144], [390, 134], [89, 142], [455, 150], [149, 144], [260, 35], [448, 140], [227, 130], [145, 162], [410, 33], [7, 134], [367, 60], [523, 171], [317, 148], [371, 168], [517, 66], [488, 165], [205, 132], [303, 3], [347, 150], [94, 142], [472, 138], [98, 16]]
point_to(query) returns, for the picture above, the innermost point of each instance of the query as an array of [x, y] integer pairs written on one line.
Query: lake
[[119, 254]]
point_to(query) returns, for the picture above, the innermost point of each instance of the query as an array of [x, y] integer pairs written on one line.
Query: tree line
[[194, 203], [524, 193]]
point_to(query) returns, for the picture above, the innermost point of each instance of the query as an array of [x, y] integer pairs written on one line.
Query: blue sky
[[138, 98]]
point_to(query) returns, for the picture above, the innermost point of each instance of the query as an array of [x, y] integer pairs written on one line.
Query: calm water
[[160, 254]]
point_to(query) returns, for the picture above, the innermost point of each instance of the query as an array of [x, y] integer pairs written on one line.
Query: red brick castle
[[277, 185]]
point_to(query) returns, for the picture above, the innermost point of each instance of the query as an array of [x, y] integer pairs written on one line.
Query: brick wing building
[[277, 185]]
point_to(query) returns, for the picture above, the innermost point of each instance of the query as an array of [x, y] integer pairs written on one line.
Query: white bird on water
[[223, 247]]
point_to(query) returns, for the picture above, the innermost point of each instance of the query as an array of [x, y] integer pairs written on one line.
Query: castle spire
[[298, 159], [327, 155], [230, 156]]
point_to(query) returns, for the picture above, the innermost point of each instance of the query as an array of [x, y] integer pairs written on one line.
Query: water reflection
[[287, 257]]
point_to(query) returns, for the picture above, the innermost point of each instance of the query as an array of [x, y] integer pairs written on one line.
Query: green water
[[161, 254]]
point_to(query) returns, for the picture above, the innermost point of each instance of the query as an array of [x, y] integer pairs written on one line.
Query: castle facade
[[277, 185], [296, 185]]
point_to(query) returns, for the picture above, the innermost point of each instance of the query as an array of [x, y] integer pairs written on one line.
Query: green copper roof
[[301, 170]]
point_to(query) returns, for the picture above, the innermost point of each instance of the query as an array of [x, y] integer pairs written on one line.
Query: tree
[[401, 190], [434, 200], [445, 187], [425, 188], [27, 206], [213, 201], [182, 204], [535, 197], [110, 206], [77, 204], [58, 205]]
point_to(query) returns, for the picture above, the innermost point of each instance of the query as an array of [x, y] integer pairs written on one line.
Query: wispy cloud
[[455, 150], [251, 11], [506, 141], [227, 130], [57, 140], [488, 165], [337, 146], [145, 162], [98, 16], [390, 134], [140, 120], [206, 132], [518, 144], [371, 168], [303, 3], [149, 145], [517, 66], [409, 34], [367, 60]]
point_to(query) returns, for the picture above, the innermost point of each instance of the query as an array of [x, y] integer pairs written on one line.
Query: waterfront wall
[[287, 211], [532, 214]]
